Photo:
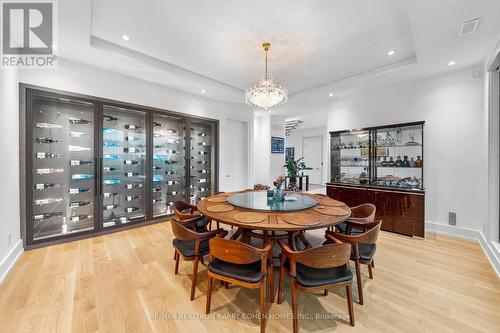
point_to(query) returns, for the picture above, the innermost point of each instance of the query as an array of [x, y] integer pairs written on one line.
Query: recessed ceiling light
[[452, 63], [203, 91], [330, 94], [391, 53], [125, 38]]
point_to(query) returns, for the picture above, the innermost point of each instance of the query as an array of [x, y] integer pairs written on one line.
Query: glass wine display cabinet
[[382, 165], [91, 165]]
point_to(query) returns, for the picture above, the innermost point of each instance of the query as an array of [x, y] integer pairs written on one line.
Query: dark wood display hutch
[[382, 165], [90, 166]]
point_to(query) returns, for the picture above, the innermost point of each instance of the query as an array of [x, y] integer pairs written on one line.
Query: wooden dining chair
[[319, 268], [244, 265], [191, 245], [189, 216], [363, 248], [364, 213]]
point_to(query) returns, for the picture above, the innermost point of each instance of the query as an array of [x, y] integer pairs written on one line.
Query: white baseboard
[[10, 260], [491, 251]]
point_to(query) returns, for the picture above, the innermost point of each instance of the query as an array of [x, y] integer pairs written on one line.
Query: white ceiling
[[318, 46]]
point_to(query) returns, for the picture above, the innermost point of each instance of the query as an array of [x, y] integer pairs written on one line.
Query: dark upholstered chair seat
[[316, 277], [366, 251], [250, 273], [342, 227], [186, 248]]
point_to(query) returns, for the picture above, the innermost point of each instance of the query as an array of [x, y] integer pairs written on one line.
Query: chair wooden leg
[[195, 275], [226, 285], [373, 263], [370, 271], [350, 304], [177, 262], [221, 282], [326, 292], [210, 225], [271, 284], [209, 294], [280, 284], [358, 281], [263, 302], [175, 254], [295, 317], [218, 227]]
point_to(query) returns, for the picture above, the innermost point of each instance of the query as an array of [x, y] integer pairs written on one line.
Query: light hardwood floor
[[125, 282]]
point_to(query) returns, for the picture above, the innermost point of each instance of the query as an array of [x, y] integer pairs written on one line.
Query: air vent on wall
[[469, 27]]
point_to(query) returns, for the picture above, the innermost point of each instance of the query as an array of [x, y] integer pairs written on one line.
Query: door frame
[[248, 147], [321, 155]]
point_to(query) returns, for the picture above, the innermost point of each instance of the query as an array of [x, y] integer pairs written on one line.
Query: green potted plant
[[293, 168]]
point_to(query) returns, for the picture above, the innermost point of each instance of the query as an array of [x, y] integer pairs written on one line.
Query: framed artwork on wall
[[289, 153], [277, 145]]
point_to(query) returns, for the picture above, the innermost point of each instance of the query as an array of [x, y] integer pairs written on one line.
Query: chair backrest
[[181, 232], [233, 251], [179, 210], [370, 236], [326, 256], [364, 213]]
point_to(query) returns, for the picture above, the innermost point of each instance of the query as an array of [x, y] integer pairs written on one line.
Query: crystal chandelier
[[266, 94]]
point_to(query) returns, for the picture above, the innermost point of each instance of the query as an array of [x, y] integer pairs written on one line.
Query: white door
[[312, 150], [236, 159]]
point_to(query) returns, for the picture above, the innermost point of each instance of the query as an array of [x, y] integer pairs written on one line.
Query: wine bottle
[[132, 138], [202, 189], [47, 201], [171, 162], [131, 174], [133, 197], [47, 125], [110, 194], [170, 173], [131, 150], [78, 135], [78, 218], [46, 186], [111, 181], [42, 155], [157, 168], [159, 146], [202, 162], [82, 176], [131, 162], [172, 182], [203, 153], [172, 193], [79, 162], [47, 140], [109, 118], [48, 171], [170, 151], [203, 171], [157, 135], [111, 131], [155, 124], [158, 157], [77, 204], [78, 148], [131, 209], [172, 141], [202, 134], [157, 178], [107, 169], [172, 131], [157, 200], [46, 216], [79, 190], [79, 121], [132, 127], [202, 180], [131, 186], [111, 157], [112, 143], [110, 207], [204, 144], [157, 190]]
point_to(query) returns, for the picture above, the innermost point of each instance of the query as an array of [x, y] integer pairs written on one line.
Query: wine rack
[[92, 165]]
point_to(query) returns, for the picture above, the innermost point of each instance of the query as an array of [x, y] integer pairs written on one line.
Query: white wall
[[76, 77], [277, 160], [261, 157], [455, 165], [10, 246], [295, 140]]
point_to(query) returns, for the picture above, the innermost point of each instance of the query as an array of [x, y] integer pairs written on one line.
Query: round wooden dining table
[[250, 211]]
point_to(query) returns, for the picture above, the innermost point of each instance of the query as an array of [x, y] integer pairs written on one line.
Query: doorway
[[236, 148], [312, 150]]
